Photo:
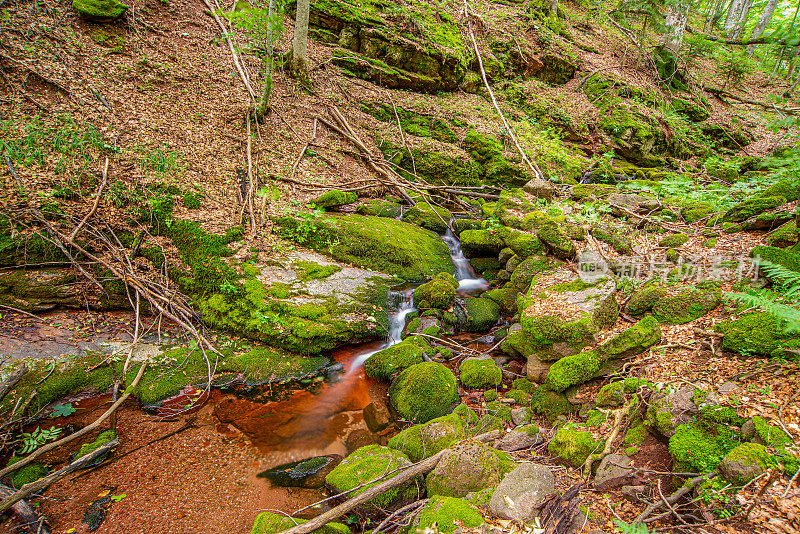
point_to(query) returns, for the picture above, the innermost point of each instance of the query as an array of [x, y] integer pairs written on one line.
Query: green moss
[[435, 166], [102, 439], [619, 242], [779, 256], [495, 412], [428, 216], [491, 395], [482, 314], [785, 236], [30, 473], [480, 373], [523, 275], [695, 211], [424, 391], [487, 151], [612, 394], [772, 436], [437, 294], [481, 242], [686, 306], [549, 403], [751, 208], [572, 445], [99, 10], [424, 440], [634, 340], [559, 244], [270, 523], [750, 459], [717, 415], [788, 189], [377, 243], [636, 435], [370, 463], [335, 198], [673, 241], [520, 397], [192, 200], [573, 370], [445, 515], [308, 270], [695, 449], [387, 362], [538, 334], [380, 208], [413, 123], [523, 384], [524, 245]]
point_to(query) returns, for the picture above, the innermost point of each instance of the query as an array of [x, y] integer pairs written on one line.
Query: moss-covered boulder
[[755, 333], [481, 242], [676, 305], [372, 463], [445, 515], [573, 445], [619, 242], [426, 439], [697, 449], [523, 274], [386, 363], [548, 403], [380, 208], [428, 216], [673, 241], [690, 110], [752, 207], [271, 523], [573, 370], [672, 408], [99, 10], [695, 211], [557, 242], [470, 466], [335, 198], [488, 152], [424, 391], [482, 314], [636, 339], [377, 243], [744, 463], [778, 256], [524, 244], [480, 373], [437, 293]]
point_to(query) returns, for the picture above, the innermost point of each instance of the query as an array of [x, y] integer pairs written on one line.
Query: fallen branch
[[42, 483], [619, 417], [94, 206], [721, 92], [404, 509], [25, 514], [412, 472], [672, 499], [75, 435]]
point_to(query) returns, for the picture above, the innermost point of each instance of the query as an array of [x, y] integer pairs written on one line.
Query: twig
[[17, 310], [789, 485], [761, 491], [683, 490], [94, 206], [397, 512]]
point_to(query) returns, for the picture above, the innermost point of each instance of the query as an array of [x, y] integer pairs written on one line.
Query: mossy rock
[[619, 242], [696, 449], [426, 439], [744, 463], [752, 207], [611, 395], [412, 122], [548, 403], [470, 466], [755, 333], [437, 294], [505, 297], [424, 391], [481, 242], [427, 216], [380, 208], [30, 473], [525, 272], [524, 245], [270, 523], [573, 370], [673, 241], [635, 340], [482, 314], [785, 236], [480, 373], [690, 110], [573, 445], [335, 198], [788, 189], [377, 243], [676, 307], [435, 166], [445, 515], [387, 362], [778, 256], [99, 10], [695, 211], [556, 241]]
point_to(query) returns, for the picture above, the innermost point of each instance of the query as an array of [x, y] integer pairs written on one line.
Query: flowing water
[[467, 280]]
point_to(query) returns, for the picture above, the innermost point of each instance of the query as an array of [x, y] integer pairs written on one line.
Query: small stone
[[523, 437], [613, 466], [522, 491], [521, 416], [377, 416], [633, 493], [540, 188]]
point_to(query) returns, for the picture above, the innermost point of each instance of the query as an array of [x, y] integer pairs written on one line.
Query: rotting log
[[27, 516]]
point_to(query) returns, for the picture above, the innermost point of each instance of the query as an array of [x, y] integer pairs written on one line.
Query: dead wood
[[27, 516], [42, 483], [558, 512], [94, 206], [672, 499], [723, 93], [412, 472], [12, 379]]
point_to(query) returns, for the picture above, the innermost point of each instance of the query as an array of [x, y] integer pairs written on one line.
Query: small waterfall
[[467, 281], [403, 303]]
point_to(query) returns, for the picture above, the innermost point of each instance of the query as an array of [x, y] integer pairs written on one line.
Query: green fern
[[781, 304]]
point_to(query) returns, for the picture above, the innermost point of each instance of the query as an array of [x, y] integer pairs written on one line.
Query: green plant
[[33, 440], [782, 304], [306, 226], [631, 528], [62, 410], [734, 66]]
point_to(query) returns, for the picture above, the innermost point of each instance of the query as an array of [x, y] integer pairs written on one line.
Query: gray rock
[[522, 491], [521, 416], [376, 416], [634, 494], [613, 466], [668, 411], [468, 467], [540, 188], [523, 437], [537, 369]]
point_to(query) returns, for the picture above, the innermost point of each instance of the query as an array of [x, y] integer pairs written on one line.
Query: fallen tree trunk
[[723, 93], [42, 483], [415, 470], [26, 515]]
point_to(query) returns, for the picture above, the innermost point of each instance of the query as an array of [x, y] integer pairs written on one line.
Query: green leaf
[[117, 498]]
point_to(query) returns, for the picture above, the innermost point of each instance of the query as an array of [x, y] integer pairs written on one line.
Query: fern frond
[[786, 315], [787, 279]]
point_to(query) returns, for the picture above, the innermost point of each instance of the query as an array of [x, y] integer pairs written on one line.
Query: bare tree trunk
[[263, 105], [758, 31], [734, 9], [675, 26], [736, 33], [300, 43], [554, 8], [713, 15]]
